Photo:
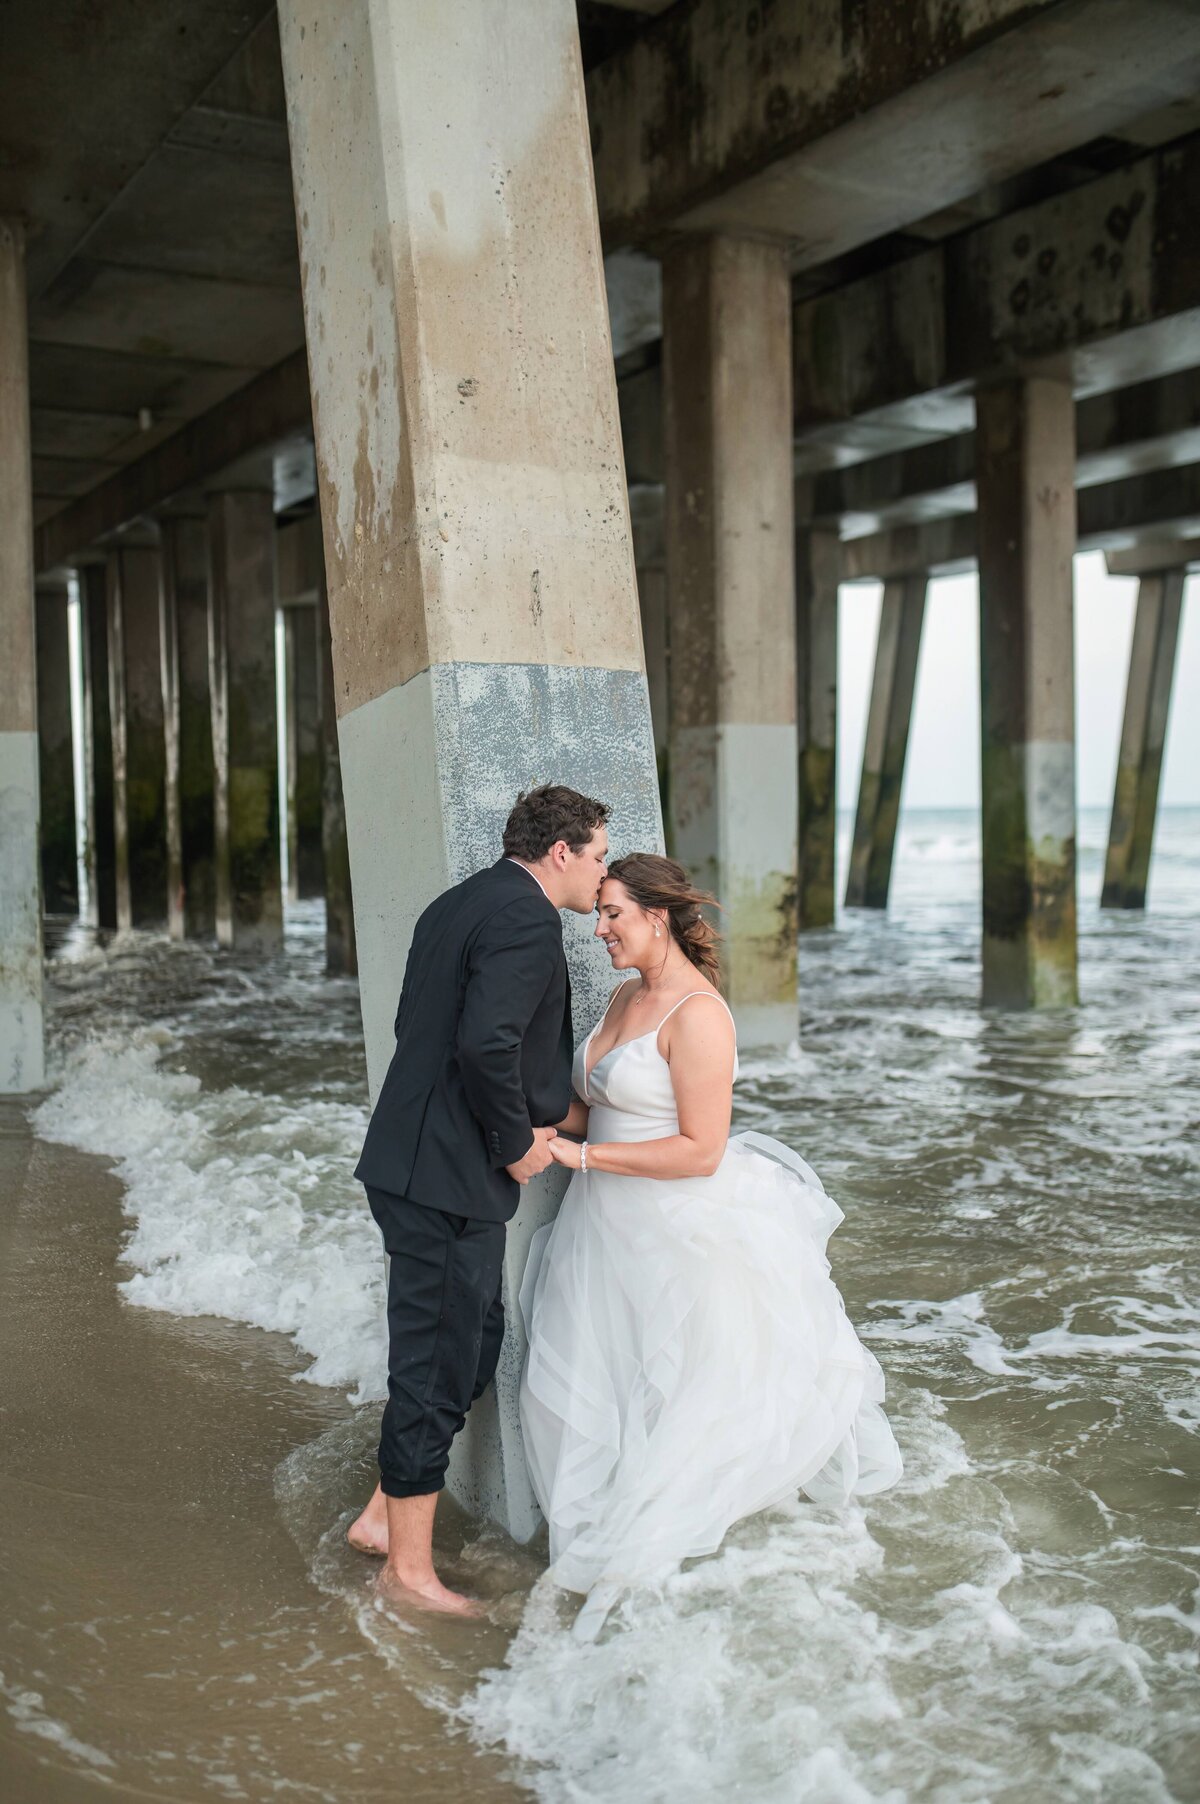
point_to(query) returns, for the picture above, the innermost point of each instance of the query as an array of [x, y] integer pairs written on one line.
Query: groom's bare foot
[[368, 1533], [425, 1591]]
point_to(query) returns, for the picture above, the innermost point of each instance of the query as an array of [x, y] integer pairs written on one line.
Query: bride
[[690, 1359]]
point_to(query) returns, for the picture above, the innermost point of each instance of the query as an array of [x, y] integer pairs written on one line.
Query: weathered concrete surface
[[190, 776], [99, 851], [1143, 735], [56, 768], [1026, 461], [249, 896], [21, 1054], [901, 615], [187, 540], [135, 689], [302, 737], [647, 509], [271, 407], [1102, 275], [1131, 431], [817, 573], [1153, 556], [730, 577], [1112, 517], [810, 120], [341, 949], [475, 519]]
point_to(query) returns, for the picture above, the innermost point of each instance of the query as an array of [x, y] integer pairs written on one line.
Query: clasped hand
[[539, 1156]]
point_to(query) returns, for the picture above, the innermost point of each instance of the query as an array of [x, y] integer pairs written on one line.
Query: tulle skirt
[[690, 1363]]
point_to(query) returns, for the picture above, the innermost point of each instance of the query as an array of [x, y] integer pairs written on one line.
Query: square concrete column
[[185, 682], [138, 738], [302, 737], [1143, 735], [341, 949], [886, 745], [727, 384], [818, 568], [56, 755], [249, 899], [475, 518], [647, 504], [1025, 474], [99, 850], [22, 1065]]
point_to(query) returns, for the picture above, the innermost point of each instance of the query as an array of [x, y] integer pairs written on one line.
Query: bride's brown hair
[[656, 882]]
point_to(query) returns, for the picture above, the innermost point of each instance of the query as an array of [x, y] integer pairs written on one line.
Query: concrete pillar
[[185, 591], [475, 517], [138, 742], [249, 898], [341, 949], [22, 1065], [1143, 734], [886, 745], [727, 385], [56, 758], [168, 648], [818, 567], [1025, 473], [302, 736], [647, 508], [99, 853]]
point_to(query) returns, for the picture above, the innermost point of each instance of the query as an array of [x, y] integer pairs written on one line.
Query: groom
[[480, 1077]]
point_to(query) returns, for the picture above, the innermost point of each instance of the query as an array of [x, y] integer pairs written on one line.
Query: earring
[[656, 929]]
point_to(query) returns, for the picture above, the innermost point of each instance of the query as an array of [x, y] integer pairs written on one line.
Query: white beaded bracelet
[[583, 1155]]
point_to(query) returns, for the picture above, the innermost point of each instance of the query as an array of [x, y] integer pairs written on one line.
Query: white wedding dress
[[690, 1358]]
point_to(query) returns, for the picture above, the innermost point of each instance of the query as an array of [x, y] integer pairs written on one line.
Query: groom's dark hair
[[541, 817]]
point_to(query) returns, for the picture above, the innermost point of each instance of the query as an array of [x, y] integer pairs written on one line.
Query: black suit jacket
[[483, 1048]]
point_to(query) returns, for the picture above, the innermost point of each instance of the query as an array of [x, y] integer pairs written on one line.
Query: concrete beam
[[1143, 735], [1150, 426], [1154, 556], [22, 1060], [1102, 277], [810, 121], [273, 406], [1165, 504]]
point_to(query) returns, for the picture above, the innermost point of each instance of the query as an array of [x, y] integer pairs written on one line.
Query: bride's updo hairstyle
[[656, 882]]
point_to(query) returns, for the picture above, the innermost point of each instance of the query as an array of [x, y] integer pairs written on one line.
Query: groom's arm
[[512, 962]]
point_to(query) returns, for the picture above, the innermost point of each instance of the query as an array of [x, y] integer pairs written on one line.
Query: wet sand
[[162, 1634]]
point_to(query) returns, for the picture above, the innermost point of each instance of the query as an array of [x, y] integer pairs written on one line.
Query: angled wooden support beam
[[1143, 735], [901, 617]]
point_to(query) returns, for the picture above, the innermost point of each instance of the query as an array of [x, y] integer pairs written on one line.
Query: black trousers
[[445, 1328]]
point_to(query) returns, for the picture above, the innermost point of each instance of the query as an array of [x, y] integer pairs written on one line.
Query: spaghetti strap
[[710, 993]]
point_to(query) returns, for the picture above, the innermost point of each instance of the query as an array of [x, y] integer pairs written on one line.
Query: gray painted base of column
[[22, 1066], [431, 770]]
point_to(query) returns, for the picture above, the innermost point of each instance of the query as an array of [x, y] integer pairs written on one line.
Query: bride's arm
[[701, 1058]]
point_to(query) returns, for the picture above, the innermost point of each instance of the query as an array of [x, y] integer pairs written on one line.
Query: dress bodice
[[629, 1088]]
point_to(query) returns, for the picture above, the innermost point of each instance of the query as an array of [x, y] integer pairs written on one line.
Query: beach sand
[[162, 1635]]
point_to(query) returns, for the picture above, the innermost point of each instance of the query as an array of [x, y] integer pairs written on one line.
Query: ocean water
[[1021, 1616]]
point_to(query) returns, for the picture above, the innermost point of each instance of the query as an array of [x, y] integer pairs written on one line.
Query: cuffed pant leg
[[443, 1281]]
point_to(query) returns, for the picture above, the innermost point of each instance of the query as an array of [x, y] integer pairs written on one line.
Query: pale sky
[[943, 754]]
